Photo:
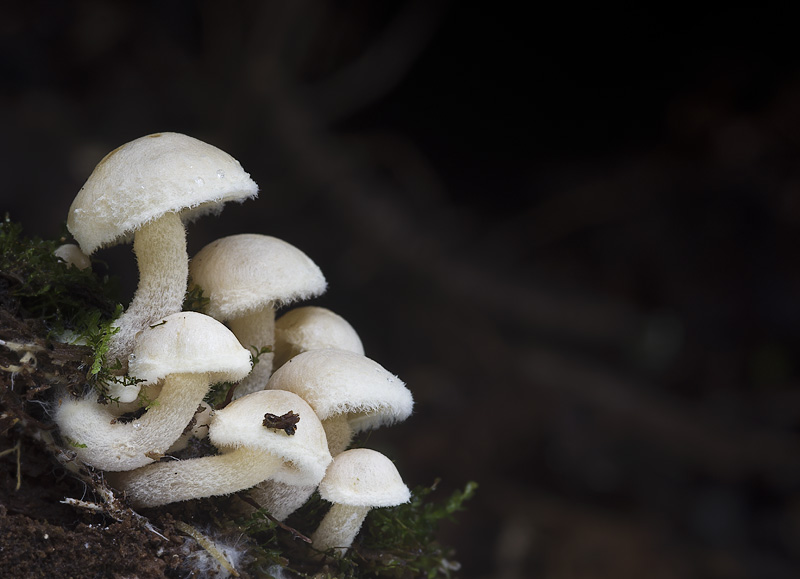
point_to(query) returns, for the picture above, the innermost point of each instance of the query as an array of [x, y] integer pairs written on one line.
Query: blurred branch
[[689, 432], [375, 205], [370, 204], [379, 68]]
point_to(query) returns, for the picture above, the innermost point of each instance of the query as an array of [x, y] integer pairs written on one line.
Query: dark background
[[573, 234]]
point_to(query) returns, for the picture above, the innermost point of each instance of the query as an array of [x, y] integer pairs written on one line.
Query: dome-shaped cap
[[188, 342], [365, 478], [242, 273], [148, 177], [339, 382], [72, 255], [241, 424], [313, 328]]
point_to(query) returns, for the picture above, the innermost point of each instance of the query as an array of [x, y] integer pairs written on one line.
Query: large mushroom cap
[[148, 177], [188, 342], [241, 424], [243, 273], [335, 382], [364, 478]]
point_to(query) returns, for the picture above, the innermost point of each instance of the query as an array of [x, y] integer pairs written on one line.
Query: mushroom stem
[[339, 527], [167, 482], [280, 499], [338, 432], [160, 248], [106, 444], [256, 330]]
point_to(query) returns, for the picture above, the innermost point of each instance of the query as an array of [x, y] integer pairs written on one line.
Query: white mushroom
[[245, 277], [250, 451], [357, 481], [72, 255], [146, 189], [312, 328], [349, 392], [188, 352]]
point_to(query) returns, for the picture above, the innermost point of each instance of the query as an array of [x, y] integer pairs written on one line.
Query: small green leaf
[[74, 443]]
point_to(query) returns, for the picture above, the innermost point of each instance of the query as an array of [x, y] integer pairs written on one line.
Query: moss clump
[[34, 283], [401, 541], [397, 542]]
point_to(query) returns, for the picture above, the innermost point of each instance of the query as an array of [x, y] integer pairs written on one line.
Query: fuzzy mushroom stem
[[356, 481], [186, 352], [222, 474], [339, 528], [147, 188], [107, 444], [250, 452], [339, 433], [256, 331], [160, 248], [280, 499]]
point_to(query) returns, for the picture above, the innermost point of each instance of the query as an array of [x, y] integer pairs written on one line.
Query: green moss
[[267, 551], [396, 542], [401, 541], [74, 305], [218, 394], [221, 393], [34, 280], [195, 300], [96, 333]]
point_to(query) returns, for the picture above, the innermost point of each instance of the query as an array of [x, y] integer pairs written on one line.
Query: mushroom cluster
[[294, 411]]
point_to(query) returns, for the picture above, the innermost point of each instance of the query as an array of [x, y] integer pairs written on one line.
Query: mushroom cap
[[240, 424], [240, 274], [148, 177], [313, 328], [335, 382], [188, 342], [72, 255], [361, 477]]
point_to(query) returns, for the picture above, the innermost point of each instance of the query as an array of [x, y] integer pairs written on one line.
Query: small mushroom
[[187, 352], [245, 277], [312, 328], [349, 392], [72, 255], [357, 481], [146, 189], [250, 452]]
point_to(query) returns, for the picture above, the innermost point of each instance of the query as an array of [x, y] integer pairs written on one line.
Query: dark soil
[[50, 550], [40, 539], [40, 536]]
